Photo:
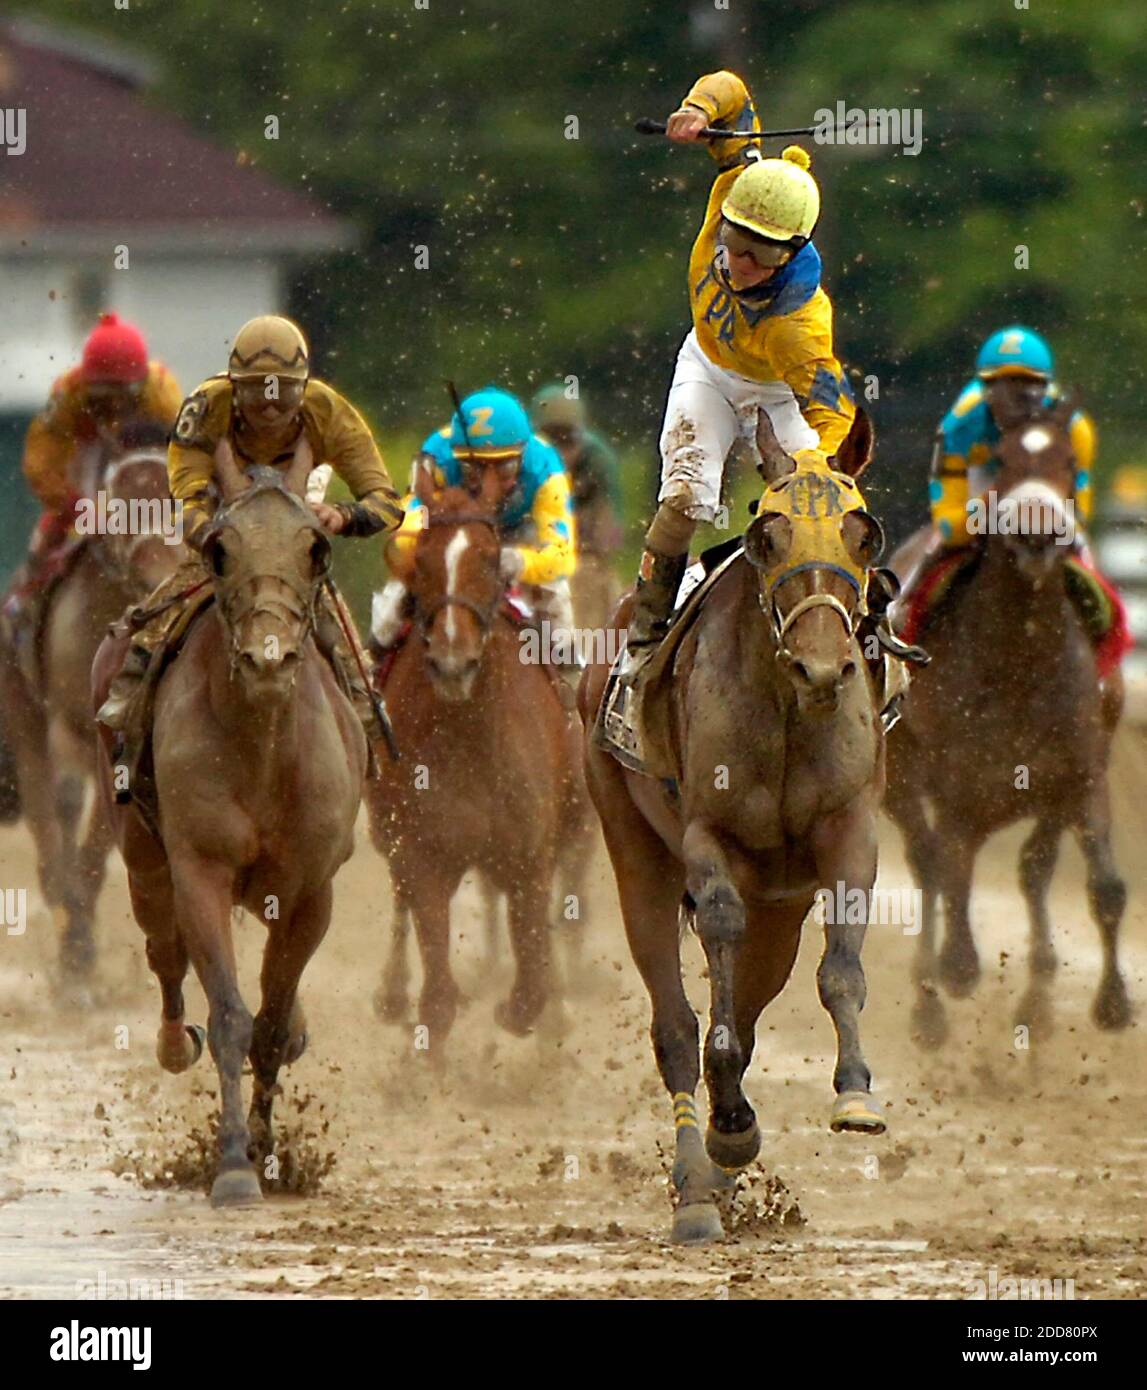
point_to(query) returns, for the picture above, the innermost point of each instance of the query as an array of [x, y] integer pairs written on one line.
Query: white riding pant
[[708, 410]]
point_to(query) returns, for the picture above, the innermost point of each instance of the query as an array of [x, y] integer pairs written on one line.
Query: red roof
[[102, 160]]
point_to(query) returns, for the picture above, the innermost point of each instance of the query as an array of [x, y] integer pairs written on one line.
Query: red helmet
[[115, 352]]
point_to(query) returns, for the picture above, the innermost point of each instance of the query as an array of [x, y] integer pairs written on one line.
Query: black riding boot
[[657, 587]]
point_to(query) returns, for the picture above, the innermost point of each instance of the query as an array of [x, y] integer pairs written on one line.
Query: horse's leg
[[203, 903], [528, 901], [649, 886], [27, 732], [922, 850], [1037, 865], [959, 961], [87, 872], [391, 998], [431, 891], [733, 1138], [845, 848], [1107, 894], [178, 1045], [279, 1034]]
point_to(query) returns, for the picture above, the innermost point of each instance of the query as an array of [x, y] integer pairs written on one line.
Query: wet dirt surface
[[537, 1168]]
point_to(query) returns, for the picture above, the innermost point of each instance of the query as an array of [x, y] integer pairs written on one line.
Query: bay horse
[[258, 761], [1010, 722], [48, 714], [780, 757], [488, 775]]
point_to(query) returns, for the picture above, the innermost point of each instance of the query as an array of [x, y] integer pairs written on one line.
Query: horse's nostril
[[848, 670], [801, 670]]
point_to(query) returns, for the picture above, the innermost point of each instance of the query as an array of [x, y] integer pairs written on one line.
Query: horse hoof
[[1034, 1012], [733, 1150], [74, 992], [179, 1046], [515, 1020], [855, 1112], [389, 1007], [1112, 1009], [296, 1047], [236, 1187], [929, 1022], [697, 1224], [959, 975]]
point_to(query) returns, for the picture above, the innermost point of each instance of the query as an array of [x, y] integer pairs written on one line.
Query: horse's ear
[[423, 477], [775, 461], [855, 452], [230, 477], [299, 468], [768, 537]]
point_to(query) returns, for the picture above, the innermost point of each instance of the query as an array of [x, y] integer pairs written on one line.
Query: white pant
[[708, 409]]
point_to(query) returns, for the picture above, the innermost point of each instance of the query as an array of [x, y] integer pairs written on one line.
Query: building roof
[[104, 164]]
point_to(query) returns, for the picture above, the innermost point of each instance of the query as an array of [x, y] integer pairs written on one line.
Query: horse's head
[[1031, 502], [148, 547], [456, 588], [811, 544], [269, 555]]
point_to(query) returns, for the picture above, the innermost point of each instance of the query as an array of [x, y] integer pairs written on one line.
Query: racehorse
[[1011, 721], [488, 775], [780, 772], [46, 696], [258, 762]]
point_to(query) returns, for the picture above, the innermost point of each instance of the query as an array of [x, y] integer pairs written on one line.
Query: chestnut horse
[[48, 713], [780, 755], [1010, 722], [258, 761], [488, 775]]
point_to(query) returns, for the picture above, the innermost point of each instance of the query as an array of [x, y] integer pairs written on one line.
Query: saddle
[[634, 724]]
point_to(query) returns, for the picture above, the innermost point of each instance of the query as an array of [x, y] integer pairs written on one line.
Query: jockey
[[1013, 383], [114, 383], [590, 463], [262, 405], [534, 512], [761, 339]]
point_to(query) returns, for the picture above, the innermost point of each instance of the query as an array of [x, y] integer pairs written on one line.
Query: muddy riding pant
[[709, 409]]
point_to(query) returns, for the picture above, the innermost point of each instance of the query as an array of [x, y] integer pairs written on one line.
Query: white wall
[[188, 307]]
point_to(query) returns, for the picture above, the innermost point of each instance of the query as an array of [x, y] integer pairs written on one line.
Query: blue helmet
[[497, 426], [1014, 351]]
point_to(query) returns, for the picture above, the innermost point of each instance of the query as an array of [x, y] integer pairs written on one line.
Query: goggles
[[769, 255]]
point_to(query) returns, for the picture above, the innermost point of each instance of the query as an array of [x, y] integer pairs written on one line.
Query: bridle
[[783, 622], [484, 613]]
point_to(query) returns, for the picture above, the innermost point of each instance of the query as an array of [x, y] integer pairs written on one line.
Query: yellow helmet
[[775, 198], [269, 346]]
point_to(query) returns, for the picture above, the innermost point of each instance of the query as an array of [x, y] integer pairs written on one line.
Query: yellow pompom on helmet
[[269, 346], [776, 198]]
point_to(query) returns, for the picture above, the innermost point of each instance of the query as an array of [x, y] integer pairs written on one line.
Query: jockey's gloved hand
[[511, 563]]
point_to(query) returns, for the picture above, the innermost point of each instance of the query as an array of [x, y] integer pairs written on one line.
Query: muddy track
[[538, 1171]]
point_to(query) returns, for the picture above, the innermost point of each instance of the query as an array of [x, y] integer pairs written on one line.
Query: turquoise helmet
[[1014, 351], [496, 426]]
